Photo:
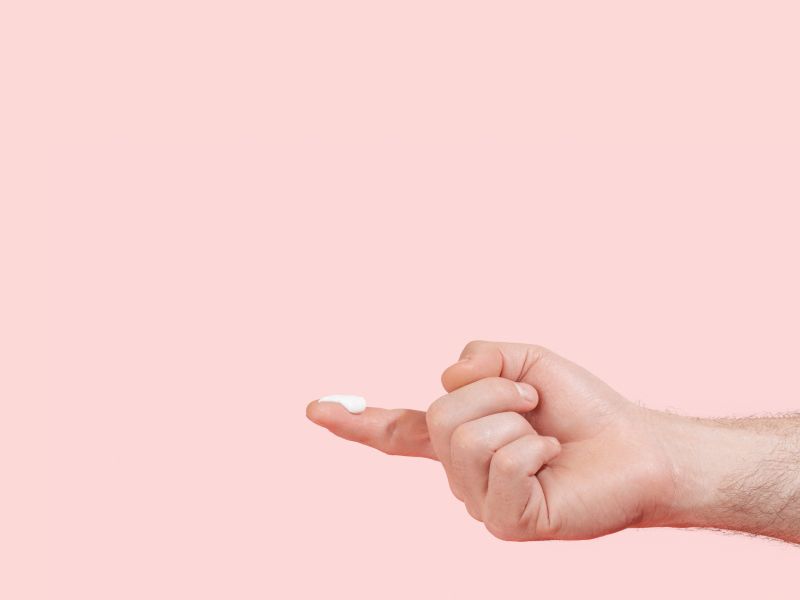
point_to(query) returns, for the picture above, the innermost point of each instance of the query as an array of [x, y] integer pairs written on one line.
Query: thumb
[[397, 431], [519, 362]]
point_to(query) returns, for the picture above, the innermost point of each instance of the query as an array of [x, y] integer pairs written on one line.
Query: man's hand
[[535, 446], [538, 448]]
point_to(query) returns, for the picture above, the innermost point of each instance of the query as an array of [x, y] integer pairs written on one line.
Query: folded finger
[[479, 399], [471, 450], [514, 500]]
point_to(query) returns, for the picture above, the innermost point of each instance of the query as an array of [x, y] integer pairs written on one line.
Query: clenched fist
[[539, 448]]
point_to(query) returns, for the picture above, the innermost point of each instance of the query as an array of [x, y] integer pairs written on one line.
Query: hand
[[534, 445]]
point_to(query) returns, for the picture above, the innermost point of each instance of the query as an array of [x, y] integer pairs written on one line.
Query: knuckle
[[466, 438], [473, 346], [537, 349], [503, 531], [506, 464], [390, 434], [473, 511], [455, 489], [535, 353], [436, 415]]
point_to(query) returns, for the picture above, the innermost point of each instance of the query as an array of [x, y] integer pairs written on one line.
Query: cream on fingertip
[[353, 404]]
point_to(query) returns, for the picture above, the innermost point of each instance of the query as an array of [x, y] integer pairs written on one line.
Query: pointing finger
[[393, 431]]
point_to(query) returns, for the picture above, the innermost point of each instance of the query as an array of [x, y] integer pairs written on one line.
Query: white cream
[[353, 404]]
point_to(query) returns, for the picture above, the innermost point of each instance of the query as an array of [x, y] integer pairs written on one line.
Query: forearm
[[736, 474]]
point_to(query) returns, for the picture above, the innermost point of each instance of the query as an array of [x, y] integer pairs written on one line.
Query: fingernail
[[526, 391], [353, 404]]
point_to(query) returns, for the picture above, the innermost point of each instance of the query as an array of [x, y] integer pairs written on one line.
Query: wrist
[[738, 474], [701, 457]]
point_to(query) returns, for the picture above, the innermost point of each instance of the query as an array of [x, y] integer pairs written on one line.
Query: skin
[[538, 448]]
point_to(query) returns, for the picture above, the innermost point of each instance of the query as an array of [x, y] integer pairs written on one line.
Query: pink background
[[222, 210]]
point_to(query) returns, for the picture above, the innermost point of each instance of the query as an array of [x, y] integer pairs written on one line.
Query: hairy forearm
[[735, 474]]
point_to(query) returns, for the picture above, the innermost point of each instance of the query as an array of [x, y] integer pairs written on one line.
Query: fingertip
[[478, 360], [554, 447], [312, 411], [323, 413]]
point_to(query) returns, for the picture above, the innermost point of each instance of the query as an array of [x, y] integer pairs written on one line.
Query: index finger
[[398, 431]]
